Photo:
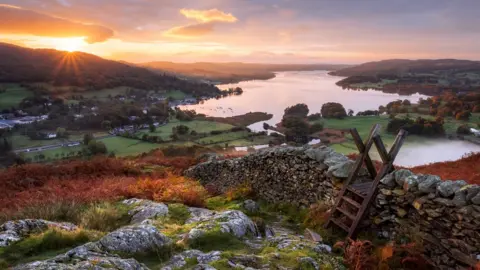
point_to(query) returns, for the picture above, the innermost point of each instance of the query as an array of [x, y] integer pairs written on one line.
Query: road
[[55, 146]]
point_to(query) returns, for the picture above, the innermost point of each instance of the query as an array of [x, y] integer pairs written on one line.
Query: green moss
[[178, 213], [50, 240], [219, 203], [216, 240]]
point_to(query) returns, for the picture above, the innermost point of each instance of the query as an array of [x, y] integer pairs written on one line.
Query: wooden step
[[346, 213], [352, 202], [361, 189], [340, 224]]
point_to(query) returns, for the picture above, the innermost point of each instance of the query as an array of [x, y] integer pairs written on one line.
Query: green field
[[21, 141], [13, 95], [198, 125], [224, 137], [122, 90], [364, 124]]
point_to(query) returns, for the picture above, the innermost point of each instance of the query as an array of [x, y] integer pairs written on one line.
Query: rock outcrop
[[145, 209], [13, 231]]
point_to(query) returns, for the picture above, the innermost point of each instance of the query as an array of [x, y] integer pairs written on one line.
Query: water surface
[[315, 88]]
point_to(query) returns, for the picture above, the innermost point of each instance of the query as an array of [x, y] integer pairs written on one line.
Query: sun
[[70, 44]]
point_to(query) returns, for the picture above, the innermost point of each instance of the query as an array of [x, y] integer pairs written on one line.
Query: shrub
[[105, 216], [171, 189], [68, 211], [316, 128], [464, 130]]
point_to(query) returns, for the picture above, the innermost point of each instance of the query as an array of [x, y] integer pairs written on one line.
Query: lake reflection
[[313, 88]]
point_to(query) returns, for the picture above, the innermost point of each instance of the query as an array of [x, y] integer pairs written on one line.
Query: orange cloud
[[16, 20], [192, 30], [206, 19], [211, 15]]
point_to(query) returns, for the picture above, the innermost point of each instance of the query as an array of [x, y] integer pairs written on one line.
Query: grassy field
[[198, 125], [363, 124], [122, 90], [13, 96], [21, 141], [229, 136]]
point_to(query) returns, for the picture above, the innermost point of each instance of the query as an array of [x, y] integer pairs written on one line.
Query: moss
[[50, 240], [178, 213], [222, 265], [216, 240], [219, 203]]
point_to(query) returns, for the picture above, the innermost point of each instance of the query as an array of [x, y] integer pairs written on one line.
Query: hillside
[[429, 77], [232, 72], [59, 68], [401, 67]]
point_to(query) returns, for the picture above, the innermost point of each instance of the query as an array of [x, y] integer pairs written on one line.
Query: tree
[[297, 129], [61, 132], [97, 147], [152, 128], [87, 138], [106, 124], [350, 112], [406, 102], [464, 130], [333, 110], [316, 128], [300, 110], [181, 130]]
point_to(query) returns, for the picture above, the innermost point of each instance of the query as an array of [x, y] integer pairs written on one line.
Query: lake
[[315, 88]]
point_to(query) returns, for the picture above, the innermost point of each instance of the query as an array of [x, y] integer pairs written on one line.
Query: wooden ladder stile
[[363, 191], [353, 173]]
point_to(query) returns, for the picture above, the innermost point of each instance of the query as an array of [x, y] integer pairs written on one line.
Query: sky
[[266, 31]]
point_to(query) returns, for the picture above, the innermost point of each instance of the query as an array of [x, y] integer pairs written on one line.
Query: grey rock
[[204, 267], [135, 239], [341, 169], [334, 158], [88, 256], [410, 183], [429, 183], [476, 199], [179, 260], [389, 180], [13, 231], [233, 221], [460, 198], [322, 248], [472, 191], [145, 209], [401, 175], [251, 206], [448, 188], [199, 214]]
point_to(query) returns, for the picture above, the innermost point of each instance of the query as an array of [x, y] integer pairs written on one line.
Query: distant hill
[[59, 68], [429, 77], [402, 66], [232, 72]]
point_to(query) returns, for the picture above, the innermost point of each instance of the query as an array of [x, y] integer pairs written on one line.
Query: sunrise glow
[[70, 44]]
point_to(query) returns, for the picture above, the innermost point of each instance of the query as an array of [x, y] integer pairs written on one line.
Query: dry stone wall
[[295, 175], [444, 214]]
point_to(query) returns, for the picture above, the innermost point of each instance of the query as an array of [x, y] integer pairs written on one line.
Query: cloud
[[192, 30], [206, 19], [211, 15], [16, 20]]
